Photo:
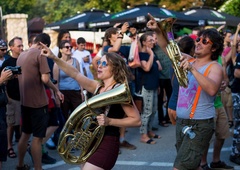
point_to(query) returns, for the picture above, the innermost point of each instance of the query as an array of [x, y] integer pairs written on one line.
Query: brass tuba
[[173, 50], [81, 132]]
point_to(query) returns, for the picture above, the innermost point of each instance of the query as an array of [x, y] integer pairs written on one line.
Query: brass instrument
[[81, 132], [173, 50]]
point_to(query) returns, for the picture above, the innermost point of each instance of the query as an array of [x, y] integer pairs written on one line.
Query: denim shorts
[[190, 151]]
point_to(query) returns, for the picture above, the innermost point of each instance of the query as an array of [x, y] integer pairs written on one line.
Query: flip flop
[[150, 141]]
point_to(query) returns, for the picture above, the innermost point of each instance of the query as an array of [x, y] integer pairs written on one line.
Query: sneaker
[[24, 167], [220, 165], [127, 145], [46, 159], [235, 159], [205, 167], [50, 144]]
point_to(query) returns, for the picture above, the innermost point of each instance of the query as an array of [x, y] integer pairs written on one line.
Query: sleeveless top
[[205, 106], [114, 111], [66, 82]]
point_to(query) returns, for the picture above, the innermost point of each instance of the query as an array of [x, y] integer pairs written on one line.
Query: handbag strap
[[198, 94]]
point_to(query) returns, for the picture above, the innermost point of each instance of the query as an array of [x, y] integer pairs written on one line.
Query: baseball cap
[[3, 44]]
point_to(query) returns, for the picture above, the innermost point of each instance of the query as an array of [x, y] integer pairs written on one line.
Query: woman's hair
[[60, 36], [186, 45], [216, 39], [119, 67], [108, 34], [61, 46], [144, 37]]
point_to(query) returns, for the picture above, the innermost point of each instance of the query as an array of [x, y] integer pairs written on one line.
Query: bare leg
[[218, 144], [49, 132], [89, 166], [22, 148], [122, 132], [10, 130], [229, 110], [36, 150], [204, 156]]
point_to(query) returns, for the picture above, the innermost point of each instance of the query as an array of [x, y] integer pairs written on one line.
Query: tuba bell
[[173, 50], [81, 131]]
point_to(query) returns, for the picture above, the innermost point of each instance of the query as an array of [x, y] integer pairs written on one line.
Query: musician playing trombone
[[195, 124]]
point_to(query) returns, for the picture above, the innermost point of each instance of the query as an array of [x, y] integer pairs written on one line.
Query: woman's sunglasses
[[68, 47], [203, 40], [104, 63]]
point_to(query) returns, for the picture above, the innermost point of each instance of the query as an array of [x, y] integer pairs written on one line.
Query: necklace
[[109, 86]]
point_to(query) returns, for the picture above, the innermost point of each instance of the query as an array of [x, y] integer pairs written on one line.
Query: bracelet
[[120, 37]]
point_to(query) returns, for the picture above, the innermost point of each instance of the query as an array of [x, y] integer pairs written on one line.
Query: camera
[[187, 130], [128, 33], [15, 70]]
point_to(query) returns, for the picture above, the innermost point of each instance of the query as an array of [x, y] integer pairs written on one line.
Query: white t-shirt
[[55, 51], [99, 54], [79, 55]]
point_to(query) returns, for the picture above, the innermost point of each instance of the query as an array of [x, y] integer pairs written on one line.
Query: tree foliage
[[231, 7], [180, 5], [55, 10], [17, 6], [60, 9]]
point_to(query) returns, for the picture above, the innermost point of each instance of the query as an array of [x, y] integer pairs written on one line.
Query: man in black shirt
[[13, 113]]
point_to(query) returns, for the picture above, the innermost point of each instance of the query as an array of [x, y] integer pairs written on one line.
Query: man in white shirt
[[83, 56]]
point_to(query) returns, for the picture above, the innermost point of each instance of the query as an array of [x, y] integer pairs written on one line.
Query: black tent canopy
[[208, 16], [138, 16], [77, 22]]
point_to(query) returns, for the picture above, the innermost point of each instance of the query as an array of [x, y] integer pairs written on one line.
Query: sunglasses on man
[[205, 41]]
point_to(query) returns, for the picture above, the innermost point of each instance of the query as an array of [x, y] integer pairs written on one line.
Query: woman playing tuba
[[111, 72]]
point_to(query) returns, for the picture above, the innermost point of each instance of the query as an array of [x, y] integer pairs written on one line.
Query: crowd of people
[[49, 86]]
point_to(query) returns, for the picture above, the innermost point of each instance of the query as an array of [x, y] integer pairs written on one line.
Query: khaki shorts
[[226, 96], [13, 114], [221, 124]]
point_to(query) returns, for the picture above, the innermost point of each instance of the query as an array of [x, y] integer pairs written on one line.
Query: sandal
[[11, 153], [155, 136], [150, 141]]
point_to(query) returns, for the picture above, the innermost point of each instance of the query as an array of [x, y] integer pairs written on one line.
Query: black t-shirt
[[150, 78], [123, 51], [236, 83], [12, 85]]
